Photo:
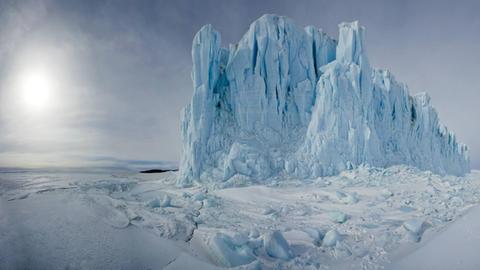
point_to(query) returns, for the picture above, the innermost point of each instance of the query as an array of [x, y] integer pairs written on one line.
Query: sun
[[36, 90]]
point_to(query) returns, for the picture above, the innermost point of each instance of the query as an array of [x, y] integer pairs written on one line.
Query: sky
[[118, 72]]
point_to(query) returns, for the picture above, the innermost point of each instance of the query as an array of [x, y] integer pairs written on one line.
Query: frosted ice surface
[[293, 101], [226, 252], [276, 246], [338, 216], [331, 238], [415, 227]]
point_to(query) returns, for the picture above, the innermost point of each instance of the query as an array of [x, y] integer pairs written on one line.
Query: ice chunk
[[226, 253], [166, 201], [331, 238], [314, 233], [386, 193], [156, 202], [415, 227], [269, 210], [347, 198], [276, 246], [297, 237], [210, 202], [456, 201], [338, 216], [200, 196], [153, 203], [239, 239]]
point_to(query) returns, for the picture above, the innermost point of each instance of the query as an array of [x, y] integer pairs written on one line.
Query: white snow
[[455, 248], [59, 221]]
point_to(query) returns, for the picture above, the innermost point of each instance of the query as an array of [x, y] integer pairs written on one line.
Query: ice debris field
[[365, 218]]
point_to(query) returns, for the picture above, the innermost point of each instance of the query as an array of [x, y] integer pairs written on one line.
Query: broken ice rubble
[[296, 225]]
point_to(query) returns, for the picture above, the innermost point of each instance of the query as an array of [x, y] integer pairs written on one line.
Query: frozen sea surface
[[395, 218]]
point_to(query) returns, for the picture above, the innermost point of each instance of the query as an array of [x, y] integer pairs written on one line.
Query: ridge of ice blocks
[[295, 102]]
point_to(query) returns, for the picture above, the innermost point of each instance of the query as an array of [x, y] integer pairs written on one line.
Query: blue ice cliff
[[295, 102]]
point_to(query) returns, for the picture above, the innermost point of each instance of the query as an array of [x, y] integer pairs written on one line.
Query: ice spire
[[351, 49], [198, 115]]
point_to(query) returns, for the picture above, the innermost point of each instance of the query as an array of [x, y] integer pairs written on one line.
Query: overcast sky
[[120, 70]]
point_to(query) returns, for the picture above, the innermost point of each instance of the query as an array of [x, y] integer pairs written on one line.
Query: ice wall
[[292, 101]]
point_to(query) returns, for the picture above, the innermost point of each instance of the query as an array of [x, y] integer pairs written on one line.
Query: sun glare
[[36, 89]]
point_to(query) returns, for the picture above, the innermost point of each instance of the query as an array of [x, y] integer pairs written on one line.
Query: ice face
[[292, 101]]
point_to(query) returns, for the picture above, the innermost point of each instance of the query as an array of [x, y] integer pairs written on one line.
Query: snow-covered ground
[[362, 219], [455, 248]]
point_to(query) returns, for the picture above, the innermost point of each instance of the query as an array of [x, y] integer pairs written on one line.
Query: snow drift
[[293, 101]]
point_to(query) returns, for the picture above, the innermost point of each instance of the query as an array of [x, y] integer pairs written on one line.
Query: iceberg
[[287, 101]]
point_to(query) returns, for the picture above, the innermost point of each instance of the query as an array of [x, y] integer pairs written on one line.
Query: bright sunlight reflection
[[36, 90]]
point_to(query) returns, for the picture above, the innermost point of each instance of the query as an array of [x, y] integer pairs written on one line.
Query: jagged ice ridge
[[295, 102]]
